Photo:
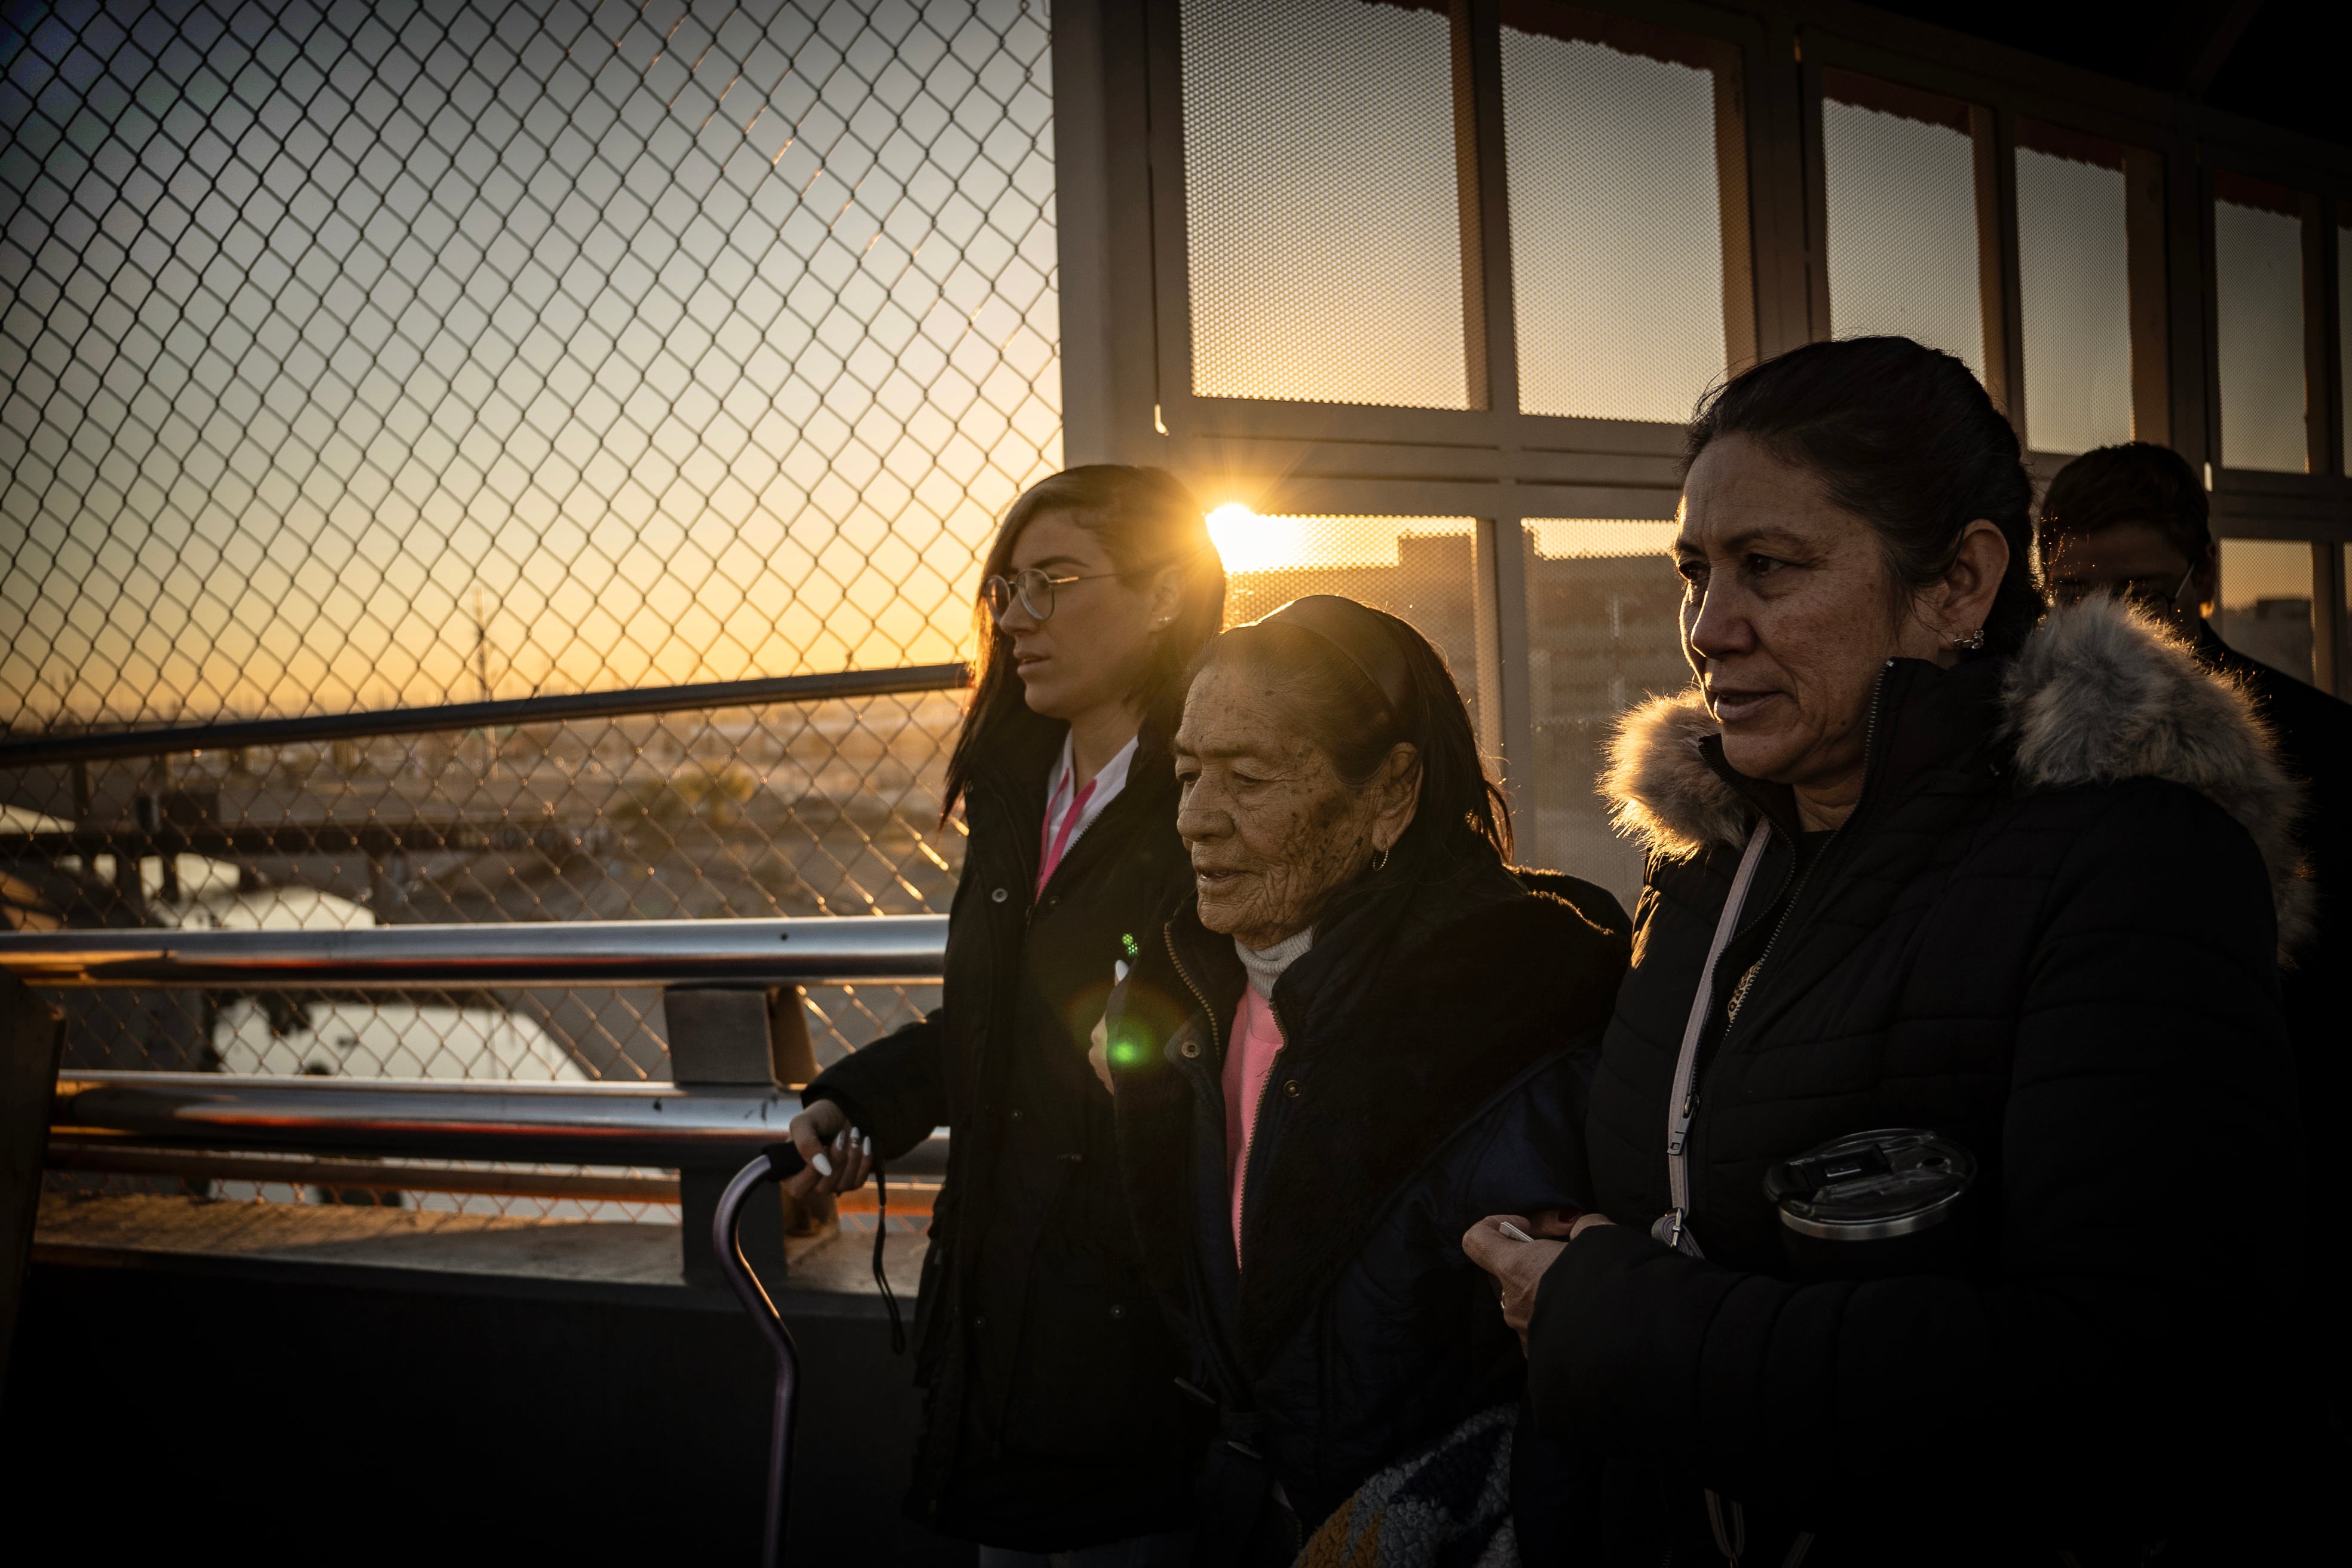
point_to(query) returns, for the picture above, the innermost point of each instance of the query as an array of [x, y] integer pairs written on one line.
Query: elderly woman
[[1361, 1034], [2004, 893]]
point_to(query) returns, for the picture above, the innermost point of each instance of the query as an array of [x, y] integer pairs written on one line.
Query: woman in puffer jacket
[[1363, 1032], [1923, 860]]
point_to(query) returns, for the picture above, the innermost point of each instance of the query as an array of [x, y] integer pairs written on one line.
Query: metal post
[[721, 1035], [32, 1037]]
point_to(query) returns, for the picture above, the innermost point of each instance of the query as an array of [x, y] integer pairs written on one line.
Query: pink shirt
[[1249, 1064]]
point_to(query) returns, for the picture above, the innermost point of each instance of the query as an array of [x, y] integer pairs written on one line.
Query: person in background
[[1363, 1032], [1053, 1426], [1925, 861], [2131, 521]]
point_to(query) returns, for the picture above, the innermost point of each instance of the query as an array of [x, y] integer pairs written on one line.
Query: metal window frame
[[1492, 464], [1127, 348]]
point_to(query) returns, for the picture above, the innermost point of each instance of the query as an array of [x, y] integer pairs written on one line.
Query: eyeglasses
[[1033, 588], [2147, 593]]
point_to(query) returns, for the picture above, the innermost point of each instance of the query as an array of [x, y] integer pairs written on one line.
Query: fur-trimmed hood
[[2099, 694]]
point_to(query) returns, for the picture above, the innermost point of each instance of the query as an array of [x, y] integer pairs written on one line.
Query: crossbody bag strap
[[1670, 1227]]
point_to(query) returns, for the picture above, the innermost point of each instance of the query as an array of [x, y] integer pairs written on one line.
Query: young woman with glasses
[[1054, 1425]]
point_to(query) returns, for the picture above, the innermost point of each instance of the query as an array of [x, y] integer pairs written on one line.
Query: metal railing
[[561, 708], [587, 1124], [370, 1133], [883, 949]]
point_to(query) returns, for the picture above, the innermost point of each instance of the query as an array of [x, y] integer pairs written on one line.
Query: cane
[[777, 1162]]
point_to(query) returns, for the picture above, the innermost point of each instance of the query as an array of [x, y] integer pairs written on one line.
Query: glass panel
[[2266, 602], [1418, 568], [2258, 287], [1616, 215], [1902, 188], [2073, 272], [1605, 631], [1320, 203]]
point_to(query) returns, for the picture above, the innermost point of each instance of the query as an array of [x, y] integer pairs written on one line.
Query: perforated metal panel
[[1616, 226], [1418, 568], [2266, 601], [1900, 179], [1322, 211], [2075, 293], [1604, 633], [2258, 328]]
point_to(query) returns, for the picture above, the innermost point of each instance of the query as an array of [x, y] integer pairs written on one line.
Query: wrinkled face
[[1788, 613], [1273, 828], [2133, 560], [1091, 650]]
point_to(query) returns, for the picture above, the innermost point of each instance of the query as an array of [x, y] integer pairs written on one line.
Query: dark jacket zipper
[[1216, 1039]]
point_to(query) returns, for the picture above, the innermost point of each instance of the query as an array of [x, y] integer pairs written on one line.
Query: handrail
[[882, 949], [101, 745], [377, 838], [570, 1123]]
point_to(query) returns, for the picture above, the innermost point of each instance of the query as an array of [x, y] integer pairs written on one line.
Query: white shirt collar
[[1062, 784]]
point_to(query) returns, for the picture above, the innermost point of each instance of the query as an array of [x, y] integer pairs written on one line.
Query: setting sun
[[1248, 543]]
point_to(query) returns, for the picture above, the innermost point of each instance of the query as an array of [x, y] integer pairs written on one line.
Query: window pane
[[2074, 276], [1616, 217], [2258, 287], [1902, 189], [2266, 602], [1323, 220], [1418, 568], [1605, 631]]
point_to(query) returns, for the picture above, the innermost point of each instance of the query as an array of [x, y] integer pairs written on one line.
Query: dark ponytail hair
[[1328, 696], [1146, 520], [1904, 436]]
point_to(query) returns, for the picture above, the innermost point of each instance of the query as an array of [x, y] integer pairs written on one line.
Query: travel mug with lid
[[1890, 1201]]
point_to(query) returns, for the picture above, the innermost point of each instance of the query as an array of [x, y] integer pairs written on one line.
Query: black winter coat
[[2048, 931], [1437, 1040], [2313, 736], [1051, 1419]]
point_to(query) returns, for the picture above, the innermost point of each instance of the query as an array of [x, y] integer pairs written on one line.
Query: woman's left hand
[[1519, 1267]]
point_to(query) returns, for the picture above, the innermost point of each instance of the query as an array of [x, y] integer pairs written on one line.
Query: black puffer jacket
[[2049, 930], [1052, 1420], [2313, 735], [1438, 1037]]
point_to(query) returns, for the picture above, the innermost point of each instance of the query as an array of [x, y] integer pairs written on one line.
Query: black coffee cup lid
[[1869, 1186]]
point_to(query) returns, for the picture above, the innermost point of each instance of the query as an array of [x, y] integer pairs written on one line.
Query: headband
[[1361, 635]]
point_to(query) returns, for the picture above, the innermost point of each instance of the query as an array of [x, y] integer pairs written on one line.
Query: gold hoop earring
[[1380, 859]]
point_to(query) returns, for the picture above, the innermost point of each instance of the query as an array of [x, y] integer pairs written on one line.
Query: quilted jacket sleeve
[[2145, 1250], [894, 1090]]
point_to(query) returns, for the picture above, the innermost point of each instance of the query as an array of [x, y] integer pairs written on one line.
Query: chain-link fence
[[366, 356], [826, 808]]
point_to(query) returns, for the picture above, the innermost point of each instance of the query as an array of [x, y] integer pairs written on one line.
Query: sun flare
[[1248, 543]]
